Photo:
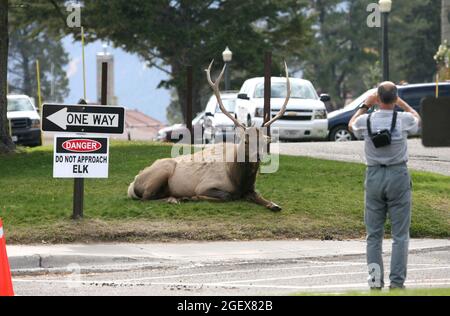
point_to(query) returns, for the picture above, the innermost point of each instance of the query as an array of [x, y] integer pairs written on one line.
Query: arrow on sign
[[63, 118]]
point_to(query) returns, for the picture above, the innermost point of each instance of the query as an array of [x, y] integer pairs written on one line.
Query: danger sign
[[81, 157]]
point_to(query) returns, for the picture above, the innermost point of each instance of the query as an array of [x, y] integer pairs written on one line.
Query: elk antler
[[215, 87], [288, 95]]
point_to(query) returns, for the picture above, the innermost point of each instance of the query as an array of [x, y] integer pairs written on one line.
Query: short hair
[[388, 93]]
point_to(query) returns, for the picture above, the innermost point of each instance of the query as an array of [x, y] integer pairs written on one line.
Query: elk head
[[252, 138]]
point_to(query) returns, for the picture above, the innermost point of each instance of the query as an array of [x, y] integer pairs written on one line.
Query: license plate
[[14, 138]]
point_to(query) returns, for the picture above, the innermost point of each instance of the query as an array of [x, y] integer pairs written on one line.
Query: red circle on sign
[[81, 145]]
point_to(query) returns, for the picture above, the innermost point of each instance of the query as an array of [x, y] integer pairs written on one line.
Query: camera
[[382, 138]]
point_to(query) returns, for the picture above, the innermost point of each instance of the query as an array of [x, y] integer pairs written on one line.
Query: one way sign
[[83, 118]]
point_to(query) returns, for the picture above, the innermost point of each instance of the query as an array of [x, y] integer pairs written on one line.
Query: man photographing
[[388, 183]]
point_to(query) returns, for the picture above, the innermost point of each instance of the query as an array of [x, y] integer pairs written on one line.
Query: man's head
[[388, 93]]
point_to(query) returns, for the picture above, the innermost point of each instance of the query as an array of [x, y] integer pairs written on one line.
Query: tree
[[415, 37], [346, 52], [445, 21], [171, 34], [343, 49], [27, 45], [6, 144]]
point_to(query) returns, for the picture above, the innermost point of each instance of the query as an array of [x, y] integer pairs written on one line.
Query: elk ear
[[267, 139]]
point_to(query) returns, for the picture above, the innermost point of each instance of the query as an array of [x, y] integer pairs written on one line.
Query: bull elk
[[193, 177]]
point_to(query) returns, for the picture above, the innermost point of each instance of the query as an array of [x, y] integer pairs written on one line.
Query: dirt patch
[[95, 230]]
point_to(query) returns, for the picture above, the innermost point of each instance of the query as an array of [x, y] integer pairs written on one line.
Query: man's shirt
[[397, 151]]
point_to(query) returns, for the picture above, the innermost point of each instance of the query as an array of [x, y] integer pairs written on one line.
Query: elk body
[[206, 175]]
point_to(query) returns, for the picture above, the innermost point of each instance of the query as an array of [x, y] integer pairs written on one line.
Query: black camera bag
[[384, 137]]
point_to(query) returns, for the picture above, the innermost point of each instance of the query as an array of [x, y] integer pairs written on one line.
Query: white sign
[[63, 119], [80, 157]]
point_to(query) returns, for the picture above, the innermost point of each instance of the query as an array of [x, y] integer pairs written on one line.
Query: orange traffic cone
[[6, 288]]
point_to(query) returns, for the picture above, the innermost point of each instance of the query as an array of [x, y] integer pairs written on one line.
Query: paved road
[[231, 268], [421, 158]]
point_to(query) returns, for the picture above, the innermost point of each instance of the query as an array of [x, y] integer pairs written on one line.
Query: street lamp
[[227, 55], [385, 9]]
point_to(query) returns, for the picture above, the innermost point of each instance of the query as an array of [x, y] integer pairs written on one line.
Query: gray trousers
[[388, 191]]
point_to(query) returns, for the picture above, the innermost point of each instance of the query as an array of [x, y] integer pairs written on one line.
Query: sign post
[[82, 156], [267, 91]]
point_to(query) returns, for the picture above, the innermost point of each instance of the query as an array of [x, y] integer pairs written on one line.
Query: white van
[[305, 117], [25, 120]]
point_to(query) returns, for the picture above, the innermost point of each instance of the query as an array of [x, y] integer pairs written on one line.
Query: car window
[[229, 105], [21, 104], [278, 90], [414, 96], [444, 90]]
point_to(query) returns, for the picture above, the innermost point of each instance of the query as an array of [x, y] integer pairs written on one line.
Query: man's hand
[[372, 100]]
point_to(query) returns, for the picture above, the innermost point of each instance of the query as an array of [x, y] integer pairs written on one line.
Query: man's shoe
[[396, 287], [376, 289]]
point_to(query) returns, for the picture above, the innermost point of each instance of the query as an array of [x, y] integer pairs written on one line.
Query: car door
[[241, 104]]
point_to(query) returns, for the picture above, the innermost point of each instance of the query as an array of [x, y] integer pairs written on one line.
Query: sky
[[135, 83]]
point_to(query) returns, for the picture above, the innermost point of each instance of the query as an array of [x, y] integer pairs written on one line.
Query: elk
[[188, 178]]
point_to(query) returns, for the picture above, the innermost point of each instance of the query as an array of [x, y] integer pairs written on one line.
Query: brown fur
[[182, 178]]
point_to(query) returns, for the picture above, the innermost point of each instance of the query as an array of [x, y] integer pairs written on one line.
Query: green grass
[[320, 199], [408, 292]]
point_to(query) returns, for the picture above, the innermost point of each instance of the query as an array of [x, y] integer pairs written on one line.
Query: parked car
[[25, 120], [305, 117], [217, 126], [413, 94], [174, 133], [338, 120]]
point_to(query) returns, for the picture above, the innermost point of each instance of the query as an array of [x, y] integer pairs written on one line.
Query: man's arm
[[407, 108], [370, 101], [355, 117]]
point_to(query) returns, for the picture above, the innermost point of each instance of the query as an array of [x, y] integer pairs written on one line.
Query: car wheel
[[341, 134]]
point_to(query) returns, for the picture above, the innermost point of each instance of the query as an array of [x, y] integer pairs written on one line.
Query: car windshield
[[298, 90], [359, 100], [229, 105], [21, 104]]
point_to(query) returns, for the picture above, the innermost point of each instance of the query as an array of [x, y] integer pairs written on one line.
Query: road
[[420, 158], [244, 268]]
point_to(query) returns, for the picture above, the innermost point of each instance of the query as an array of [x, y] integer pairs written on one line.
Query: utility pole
[[445, 21]]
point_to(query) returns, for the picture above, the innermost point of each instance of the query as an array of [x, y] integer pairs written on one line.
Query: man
[[388, 183]]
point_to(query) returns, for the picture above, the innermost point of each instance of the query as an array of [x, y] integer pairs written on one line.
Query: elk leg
[[214, 195], [258, 199], [154, 180]]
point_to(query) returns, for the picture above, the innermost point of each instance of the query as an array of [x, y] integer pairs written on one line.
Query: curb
[[37, 264]]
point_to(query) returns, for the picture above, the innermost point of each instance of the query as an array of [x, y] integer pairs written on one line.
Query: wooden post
[[104, 87], [188, 113], [267, 91], [78, 191]]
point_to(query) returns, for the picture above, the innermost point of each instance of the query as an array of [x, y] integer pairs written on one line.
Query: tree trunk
[[179, 72], [445, 23], [6, 144]]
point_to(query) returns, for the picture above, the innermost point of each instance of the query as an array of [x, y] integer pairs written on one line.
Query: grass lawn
[[320, 199]]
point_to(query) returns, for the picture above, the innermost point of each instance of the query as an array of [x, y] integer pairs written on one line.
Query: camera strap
[[393, 124]]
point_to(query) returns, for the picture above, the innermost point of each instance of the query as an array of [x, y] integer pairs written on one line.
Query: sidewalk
[[127, 255]]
